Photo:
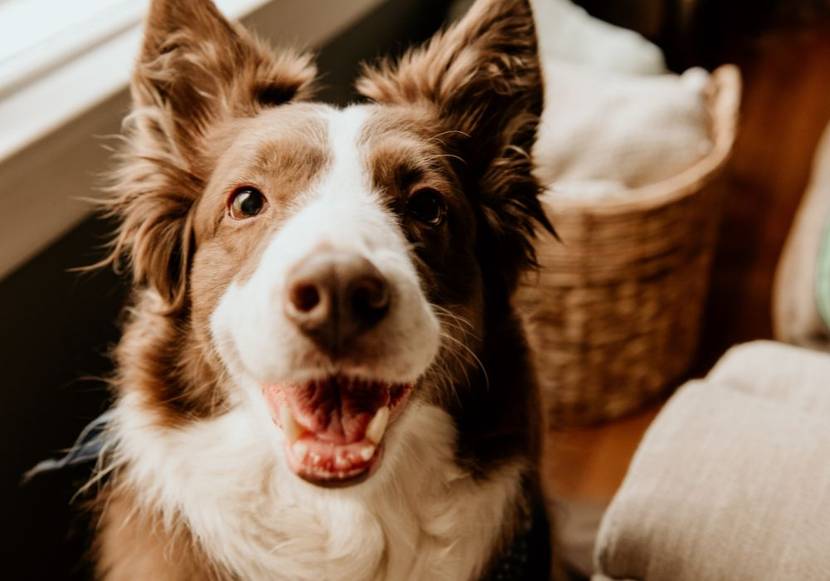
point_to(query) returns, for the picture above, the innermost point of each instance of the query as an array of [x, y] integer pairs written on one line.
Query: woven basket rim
[[723, 100]]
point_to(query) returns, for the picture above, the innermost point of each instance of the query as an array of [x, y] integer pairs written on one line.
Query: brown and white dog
[[321, 376]]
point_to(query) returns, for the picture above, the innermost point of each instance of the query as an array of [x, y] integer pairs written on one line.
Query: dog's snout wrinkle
[[334, 297]]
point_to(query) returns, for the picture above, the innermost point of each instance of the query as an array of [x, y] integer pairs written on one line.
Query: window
[[40, 35]]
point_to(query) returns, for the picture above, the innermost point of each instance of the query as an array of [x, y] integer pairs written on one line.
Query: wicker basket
[[613, 315]]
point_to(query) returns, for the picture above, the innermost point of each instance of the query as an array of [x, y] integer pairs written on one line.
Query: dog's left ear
[[482, 79], [195, 71], [197, 68]]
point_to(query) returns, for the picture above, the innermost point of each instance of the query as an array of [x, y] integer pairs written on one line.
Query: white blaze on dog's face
[[325, 322], [321, 268]]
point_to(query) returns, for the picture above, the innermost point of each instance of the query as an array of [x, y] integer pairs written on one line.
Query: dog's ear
[[482, 79], [194, 71]]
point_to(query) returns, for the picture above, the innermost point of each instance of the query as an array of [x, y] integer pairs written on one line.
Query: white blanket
[[604, 133], [567, 33]]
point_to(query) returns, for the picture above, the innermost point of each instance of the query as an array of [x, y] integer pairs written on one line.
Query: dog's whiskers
[[475, 358]]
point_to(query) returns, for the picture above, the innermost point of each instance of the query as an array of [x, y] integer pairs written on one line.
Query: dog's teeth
[[341, 462], [377, 427], [300, 449], [290, 427], [367, 452]]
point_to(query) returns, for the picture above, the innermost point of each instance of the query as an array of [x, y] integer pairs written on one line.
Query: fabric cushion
[[732, 480]]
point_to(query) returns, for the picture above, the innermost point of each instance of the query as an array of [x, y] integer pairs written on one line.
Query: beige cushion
[[732, 480]]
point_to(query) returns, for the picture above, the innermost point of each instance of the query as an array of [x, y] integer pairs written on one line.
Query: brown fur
[[479, 86], [482, 82], [172, 364], [138, 546], [195, 70]]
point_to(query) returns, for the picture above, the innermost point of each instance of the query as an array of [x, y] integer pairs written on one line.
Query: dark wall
[[708, 32], [56, 328]]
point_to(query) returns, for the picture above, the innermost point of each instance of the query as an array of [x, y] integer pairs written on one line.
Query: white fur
[[418, 517]]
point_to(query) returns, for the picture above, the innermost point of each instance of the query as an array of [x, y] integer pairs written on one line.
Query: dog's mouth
[[334, 427]]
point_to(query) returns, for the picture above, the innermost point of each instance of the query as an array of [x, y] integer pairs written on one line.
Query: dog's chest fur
[[218, 483]]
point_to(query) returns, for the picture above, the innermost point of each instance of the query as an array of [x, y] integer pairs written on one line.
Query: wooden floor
[[785, 109], [588, 464]]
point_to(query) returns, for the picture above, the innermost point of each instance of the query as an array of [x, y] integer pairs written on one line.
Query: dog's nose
[[335, 297]]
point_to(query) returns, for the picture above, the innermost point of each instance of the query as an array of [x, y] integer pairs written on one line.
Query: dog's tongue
[[336, 410]]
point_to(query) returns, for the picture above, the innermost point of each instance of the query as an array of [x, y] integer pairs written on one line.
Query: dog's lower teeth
[[367, 452], [290, 427], [377, 427], [300, 449], [341, 462]]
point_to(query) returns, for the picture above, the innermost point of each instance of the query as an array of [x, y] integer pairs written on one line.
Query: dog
[[320, 374]]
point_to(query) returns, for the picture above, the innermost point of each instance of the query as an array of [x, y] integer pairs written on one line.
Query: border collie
[[321, 376]]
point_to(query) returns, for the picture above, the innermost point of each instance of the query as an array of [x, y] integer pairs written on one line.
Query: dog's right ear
[[195, 70], [482, 80]]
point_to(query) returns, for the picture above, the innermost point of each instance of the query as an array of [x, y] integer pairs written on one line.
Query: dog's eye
[[426, 205], [246, 202]]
